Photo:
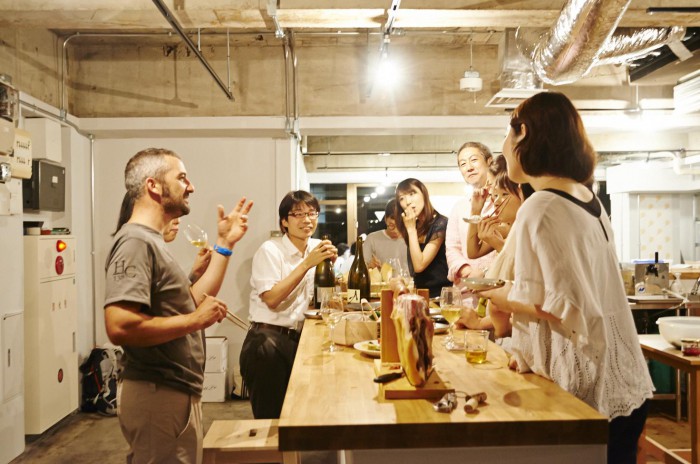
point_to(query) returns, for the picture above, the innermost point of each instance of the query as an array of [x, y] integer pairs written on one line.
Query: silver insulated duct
[[582, 38]]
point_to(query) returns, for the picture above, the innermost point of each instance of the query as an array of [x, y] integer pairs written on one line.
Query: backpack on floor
[[100, 373]]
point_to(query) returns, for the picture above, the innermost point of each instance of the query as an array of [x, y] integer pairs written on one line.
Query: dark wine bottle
[[324, 279], [358, 278]]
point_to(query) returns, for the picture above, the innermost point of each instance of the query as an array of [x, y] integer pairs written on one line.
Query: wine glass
[[331, 312], [195, 235], [395, 267], [451, 309]]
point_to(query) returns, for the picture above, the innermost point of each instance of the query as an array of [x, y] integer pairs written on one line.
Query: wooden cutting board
[[400, 389]]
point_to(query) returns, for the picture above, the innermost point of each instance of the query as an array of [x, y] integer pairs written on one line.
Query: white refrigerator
[[11, 333]]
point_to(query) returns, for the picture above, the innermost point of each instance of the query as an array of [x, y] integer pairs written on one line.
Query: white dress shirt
[[275, 260]]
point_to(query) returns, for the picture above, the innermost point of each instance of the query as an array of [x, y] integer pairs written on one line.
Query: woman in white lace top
[[571, 321]]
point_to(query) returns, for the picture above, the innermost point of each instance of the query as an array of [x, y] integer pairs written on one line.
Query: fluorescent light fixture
[[379, 214]]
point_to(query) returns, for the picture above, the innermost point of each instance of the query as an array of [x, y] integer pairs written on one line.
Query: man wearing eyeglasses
[[282, 282]]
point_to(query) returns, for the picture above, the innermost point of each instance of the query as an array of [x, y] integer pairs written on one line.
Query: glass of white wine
[[332, 312], [451, 309], [195, 235]]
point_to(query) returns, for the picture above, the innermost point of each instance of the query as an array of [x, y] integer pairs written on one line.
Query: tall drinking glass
[[332, 312], [451, 309]]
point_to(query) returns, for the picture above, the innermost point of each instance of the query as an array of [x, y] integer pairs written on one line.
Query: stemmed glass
[[395, 267], [332, 312], [195, 235], [451, 309]]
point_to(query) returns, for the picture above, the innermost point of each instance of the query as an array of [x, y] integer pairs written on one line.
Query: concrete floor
[[88, 438], [84, 438]]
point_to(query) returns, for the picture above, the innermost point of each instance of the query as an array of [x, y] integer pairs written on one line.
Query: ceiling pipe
[[569, 49], [193, 48]]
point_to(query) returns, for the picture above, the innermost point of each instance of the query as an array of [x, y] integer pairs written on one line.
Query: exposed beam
[[309, 18]]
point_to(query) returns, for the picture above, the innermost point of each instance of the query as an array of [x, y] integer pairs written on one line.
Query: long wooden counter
[[333, 404]]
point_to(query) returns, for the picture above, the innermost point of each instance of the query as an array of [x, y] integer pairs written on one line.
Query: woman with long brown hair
[[423, 230]]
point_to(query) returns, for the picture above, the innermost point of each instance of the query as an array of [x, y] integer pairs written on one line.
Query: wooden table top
[[655, 346], [332, 403]]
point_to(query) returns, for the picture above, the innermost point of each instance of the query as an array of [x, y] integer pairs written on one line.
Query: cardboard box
[[215, 388], [217, 354]]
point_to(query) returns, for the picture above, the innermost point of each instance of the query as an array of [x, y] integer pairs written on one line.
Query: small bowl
[[674, 329]]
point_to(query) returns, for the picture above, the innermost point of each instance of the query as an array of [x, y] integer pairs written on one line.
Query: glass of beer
[[476, 345]]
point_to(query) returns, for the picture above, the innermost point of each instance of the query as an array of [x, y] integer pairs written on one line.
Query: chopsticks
[[236, 320]]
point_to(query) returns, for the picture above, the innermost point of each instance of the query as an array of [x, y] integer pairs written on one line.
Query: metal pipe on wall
[[193, 48]]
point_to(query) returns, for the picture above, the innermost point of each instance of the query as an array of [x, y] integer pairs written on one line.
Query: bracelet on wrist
[[223, 251]]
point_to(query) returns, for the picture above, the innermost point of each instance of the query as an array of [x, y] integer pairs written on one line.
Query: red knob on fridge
[[59, 265]]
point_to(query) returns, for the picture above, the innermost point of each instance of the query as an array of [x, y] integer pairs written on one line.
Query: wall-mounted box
[[21, 158], [46, 190], [46, 138]]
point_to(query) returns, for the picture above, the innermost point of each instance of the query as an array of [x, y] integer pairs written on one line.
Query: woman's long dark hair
[[425, 218]]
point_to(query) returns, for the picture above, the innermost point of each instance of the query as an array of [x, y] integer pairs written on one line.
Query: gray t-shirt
[[384, 247], [140, 270]]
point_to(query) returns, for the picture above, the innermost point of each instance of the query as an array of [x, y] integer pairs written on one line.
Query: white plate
[[434, 312], [440, 328], [312, 314], [363, 347], [479, 285]]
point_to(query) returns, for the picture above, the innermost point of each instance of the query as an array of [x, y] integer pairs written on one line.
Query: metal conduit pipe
[[295, 93], [64, 64], [193, 48], [287, 96]]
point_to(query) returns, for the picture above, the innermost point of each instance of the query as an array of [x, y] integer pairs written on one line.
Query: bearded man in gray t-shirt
[[157, 317]]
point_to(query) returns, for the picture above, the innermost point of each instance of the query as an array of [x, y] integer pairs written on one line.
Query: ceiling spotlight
[[366, 199], [338, 211], [380, 190], [373, 195]]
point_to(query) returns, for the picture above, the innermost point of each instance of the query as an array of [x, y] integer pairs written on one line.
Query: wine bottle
[[324, 279], [358, 278]]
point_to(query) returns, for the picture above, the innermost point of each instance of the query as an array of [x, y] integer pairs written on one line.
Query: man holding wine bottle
[[153, 312], [282, 284]]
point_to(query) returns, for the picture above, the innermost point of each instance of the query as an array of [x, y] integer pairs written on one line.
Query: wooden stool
[[245, 441]]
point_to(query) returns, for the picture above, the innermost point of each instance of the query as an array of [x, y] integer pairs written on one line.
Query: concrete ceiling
[[450, 23]]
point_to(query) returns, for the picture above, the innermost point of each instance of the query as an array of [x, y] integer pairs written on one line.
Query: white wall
[[222, 170], [76, 159]]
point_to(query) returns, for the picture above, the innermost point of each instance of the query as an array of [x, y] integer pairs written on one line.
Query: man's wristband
[[223, 251]]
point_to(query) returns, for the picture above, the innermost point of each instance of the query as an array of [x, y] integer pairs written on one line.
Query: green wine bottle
[[324, 279], [358, 278]]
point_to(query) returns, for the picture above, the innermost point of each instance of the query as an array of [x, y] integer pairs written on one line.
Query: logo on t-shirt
[[121, 270]]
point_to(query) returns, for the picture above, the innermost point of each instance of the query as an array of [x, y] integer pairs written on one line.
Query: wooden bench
[[245, 441]]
